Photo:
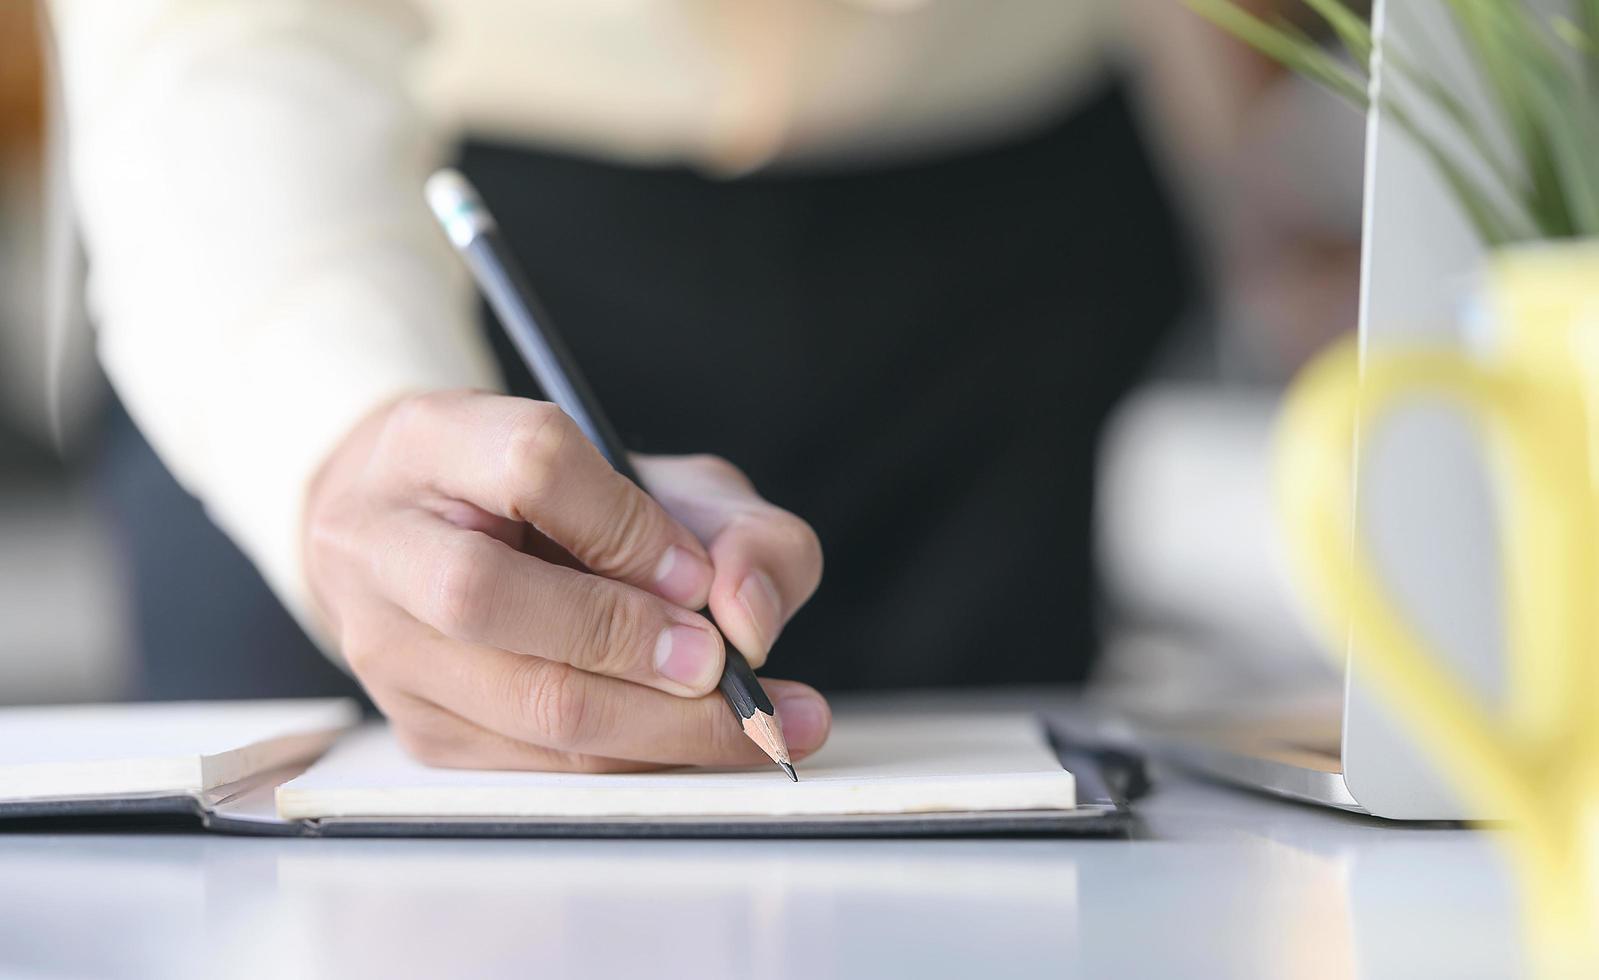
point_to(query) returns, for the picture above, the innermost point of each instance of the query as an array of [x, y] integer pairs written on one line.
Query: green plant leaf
[[1296, 53], [1541, 75], [1353, 33], [1559, 112], [1500, 42], [1492, 225], [1454, 109], [1589, 13]]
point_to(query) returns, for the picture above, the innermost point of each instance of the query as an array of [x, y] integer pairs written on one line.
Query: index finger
[[527, 461], [477, 589]]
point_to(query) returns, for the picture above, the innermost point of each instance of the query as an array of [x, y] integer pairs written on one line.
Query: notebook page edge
[[918, 795], [263, 756], [1038, 782], [85, 780], [38, 781]]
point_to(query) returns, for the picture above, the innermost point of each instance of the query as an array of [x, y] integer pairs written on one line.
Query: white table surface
[[1220, 883]]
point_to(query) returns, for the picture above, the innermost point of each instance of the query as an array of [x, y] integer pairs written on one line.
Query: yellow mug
[[1534, 758]]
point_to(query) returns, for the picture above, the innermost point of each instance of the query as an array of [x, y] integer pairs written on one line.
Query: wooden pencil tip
[[765, 731]]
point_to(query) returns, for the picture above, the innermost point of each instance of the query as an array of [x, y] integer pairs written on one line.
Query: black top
[[915, 360]]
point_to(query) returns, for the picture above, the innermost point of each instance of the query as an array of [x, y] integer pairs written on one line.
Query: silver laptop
[[1425, 505]]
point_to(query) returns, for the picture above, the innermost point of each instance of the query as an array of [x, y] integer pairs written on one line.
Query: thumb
[[767, 562]]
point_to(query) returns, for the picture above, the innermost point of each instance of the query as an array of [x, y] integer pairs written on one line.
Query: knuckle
[[414, 414], [413, 421], [619, 544], [584, 762], [796, 542], [426, 744], [817, 561], [361, 656], [428, 735], [610, 633], [801, 541], [714, 736], [556, 702], [462, 590], [719, 468], [405, 418], [532, 449], [367, 650], [332, 541], [325, 538]]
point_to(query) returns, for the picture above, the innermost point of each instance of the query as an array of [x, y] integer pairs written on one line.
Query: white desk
[[1224, 885]]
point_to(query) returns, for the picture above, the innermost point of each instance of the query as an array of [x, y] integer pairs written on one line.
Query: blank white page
[[102, 750], [892, 764]]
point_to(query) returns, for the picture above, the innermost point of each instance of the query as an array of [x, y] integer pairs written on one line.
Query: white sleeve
[[262, 268]]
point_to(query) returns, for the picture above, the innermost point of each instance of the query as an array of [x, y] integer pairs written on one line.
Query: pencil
[[475, 235]]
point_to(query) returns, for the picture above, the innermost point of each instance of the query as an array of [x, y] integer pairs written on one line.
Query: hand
[[511, 602]]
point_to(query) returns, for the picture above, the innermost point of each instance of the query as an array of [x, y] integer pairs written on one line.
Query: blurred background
[[64, 630], [1267, 168]]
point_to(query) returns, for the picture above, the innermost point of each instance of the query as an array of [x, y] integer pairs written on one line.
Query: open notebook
[[309, 767]]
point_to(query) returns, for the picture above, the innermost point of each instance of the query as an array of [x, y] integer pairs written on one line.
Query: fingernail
[[682, 577], [759, 597], [689, 656], [804, 717]]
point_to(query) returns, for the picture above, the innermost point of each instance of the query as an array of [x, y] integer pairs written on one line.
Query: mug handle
[[1330, 411]]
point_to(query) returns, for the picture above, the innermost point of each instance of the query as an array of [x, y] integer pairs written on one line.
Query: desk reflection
[[1232, 886], [684, 908]]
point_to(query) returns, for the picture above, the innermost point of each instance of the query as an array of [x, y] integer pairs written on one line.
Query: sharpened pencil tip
[[788, 768]]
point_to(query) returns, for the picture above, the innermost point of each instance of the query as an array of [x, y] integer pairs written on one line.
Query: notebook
[[310, 768]]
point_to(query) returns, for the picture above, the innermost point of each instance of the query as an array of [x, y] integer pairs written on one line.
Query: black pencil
[[475, 235]]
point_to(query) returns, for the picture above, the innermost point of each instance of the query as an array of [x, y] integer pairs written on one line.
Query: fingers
[[587, 718], [475, 589], [436, 737], [767, 566], [767, 562], [527, 461]]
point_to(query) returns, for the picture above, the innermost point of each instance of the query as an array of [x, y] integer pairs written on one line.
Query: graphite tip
[[789, 768]]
